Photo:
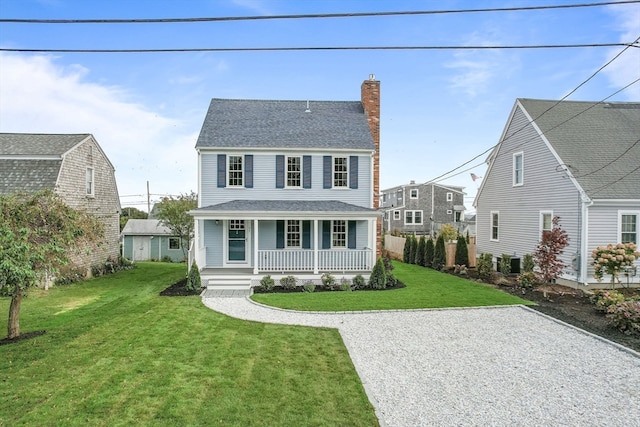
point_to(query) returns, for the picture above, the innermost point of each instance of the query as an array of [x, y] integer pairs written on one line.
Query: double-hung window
[[413, 217], [339, 234], [629, 227], [495, 216], [340, 172], [396, 215], [294, 233], [518, 171], [294, 172], [174, 243], [235, 171], [413, 194], [449, 197], [89, 182], [546, 221]]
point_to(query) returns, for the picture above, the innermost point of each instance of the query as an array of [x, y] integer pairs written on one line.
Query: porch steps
[[236, 282]]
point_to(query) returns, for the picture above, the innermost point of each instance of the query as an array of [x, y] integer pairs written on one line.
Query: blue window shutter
[[280, 234], [222, 170], [353, 172], [306, 171], [351, 234], [326, 172], [326, 234], [248, 171], [279, 171], [306, 234]]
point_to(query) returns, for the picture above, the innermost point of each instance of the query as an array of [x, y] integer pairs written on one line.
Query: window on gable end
[[518, 169], [546, 221], [90, 182], [413, 194], [495, 217], [449, 197]]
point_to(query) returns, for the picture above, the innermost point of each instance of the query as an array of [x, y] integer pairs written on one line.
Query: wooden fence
[[395, 246]]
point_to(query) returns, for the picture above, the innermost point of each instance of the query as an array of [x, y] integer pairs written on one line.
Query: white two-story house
[[287, 188]]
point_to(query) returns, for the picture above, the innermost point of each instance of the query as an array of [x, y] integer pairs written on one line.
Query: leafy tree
[[422, 248], [131, 213], [548, 251], [439, 254], [428, 253], [173, 213], [462, 253], [448, 232], [37, 233]]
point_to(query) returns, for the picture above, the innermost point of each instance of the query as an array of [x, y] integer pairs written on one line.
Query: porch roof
[[268, 209]]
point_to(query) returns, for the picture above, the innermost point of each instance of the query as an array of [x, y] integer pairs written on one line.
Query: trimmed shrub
[[267, 283], [527, 279], [484, 266], [428, 254], [69, 274], [505, 264], [166, 258], [309, 287], [328, 281], [527, 263], [420, 253], [378, 279], [288, 283], [462, 253], [359, 282], [603, 299], [193, 278], [625, 316], [439, 254], [345, 284]]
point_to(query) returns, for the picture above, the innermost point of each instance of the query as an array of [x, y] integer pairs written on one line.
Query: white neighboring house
[[579, 161]]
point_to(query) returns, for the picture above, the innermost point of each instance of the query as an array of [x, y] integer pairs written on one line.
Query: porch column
[[372, 242], [315, 246], [255, 246]]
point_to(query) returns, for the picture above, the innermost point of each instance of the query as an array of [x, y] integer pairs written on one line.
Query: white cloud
[[39, 96], [626, 68]]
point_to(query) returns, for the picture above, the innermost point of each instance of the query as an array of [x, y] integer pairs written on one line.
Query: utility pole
[[148, 200]]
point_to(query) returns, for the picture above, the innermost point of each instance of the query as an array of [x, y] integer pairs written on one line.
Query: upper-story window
[[413, 193], [449, 197], [294, 172], [629, 227], [518, 172], [235, 171], [89, 182], [340, 172]]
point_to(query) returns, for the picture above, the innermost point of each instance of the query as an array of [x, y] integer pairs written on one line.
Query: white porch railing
[[302, 260]]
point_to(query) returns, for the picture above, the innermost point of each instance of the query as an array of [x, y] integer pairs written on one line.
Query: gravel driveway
[[501, 366]]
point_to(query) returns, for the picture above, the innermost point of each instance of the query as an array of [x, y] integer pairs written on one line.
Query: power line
[[308, 16], [609, 163], [318, 48]]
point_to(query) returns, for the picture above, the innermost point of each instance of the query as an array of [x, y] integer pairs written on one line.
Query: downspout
[[582, 232]]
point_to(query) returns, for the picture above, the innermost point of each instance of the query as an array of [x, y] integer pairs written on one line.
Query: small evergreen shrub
[[359, 282], [420, 253], [406, 253], [193, 278], [414, 250], [378, 279], [166, 258], [309, 287], [625, 316], [439, 254], [505, 264], [345, 284], [484, 266], [388, 265], [462, 252], [267, 283], [527, 279], [288, 283], [527, 263]]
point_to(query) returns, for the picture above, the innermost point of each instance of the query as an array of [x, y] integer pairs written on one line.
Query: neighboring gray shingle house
[[579, 161], [423, 208], [76, 168], [287, 187], [147, 239]]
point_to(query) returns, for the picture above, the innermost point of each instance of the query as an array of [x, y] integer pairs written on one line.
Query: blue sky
[[440, 108]]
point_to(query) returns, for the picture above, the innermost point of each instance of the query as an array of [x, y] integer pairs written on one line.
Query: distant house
[[76, 168], [147, 239], [579, 161], [288, 188], [422, 208]]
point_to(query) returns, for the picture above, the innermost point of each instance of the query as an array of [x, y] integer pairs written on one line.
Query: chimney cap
[[372, 77]]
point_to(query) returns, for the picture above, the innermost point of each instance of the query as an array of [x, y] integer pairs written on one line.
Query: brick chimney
[[370, 97]]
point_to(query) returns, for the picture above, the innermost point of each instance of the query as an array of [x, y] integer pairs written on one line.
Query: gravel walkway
[[502, 366]]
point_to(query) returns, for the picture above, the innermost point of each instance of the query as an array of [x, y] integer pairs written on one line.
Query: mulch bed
[[21, 337], [179, 289]]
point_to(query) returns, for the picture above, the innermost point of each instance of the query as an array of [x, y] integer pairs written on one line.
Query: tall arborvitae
[[414, 250], [420, 254], [462, 253], [428, 253], [407, 250], [439, 254]]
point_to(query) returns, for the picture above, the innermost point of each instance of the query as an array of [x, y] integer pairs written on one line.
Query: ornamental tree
[[173, 213], [37, 233], [612, 259], [548, 251]]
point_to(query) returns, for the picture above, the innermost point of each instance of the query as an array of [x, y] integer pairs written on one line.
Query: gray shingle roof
[[145, 227], [285, 206], [28, 175], [601, 143], [38, 144], [285, 124]]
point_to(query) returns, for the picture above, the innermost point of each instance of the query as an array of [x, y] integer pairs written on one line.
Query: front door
[[237, 247]]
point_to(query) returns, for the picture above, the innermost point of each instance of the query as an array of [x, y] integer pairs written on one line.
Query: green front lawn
[[426, 288], [117, 354]]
